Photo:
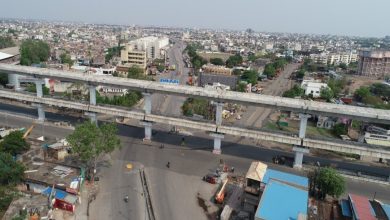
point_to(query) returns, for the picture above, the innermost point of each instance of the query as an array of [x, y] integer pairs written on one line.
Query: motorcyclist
[[168, 164], [126, 198]]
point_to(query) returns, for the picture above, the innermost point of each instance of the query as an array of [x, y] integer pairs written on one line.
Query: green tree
[[241, 86], [250, 76], [198, 106], [234, 60], [380, 89], [326, 93], [337, 85], [6, 42], [135, 72], [32, 88], [237, 72], [91, 142], [295, 91], [329, 182], [269, 70], [300, 74], [11, 171], [14, 143], [217, 61], [362, 92], [3, 79], [343, 66], [34, 51], [65, 58], [340, 129]]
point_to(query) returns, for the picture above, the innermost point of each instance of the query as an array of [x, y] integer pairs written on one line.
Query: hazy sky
[[345, 17]]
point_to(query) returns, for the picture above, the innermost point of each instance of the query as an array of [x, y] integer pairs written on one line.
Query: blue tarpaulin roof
[[345, 208], [285, 177], [59, 194], [386, 208], [282, 201]]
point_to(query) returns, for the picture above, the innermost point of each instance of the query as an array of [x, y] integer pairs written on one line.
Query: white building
[[153, 46], [334, 58], [313, 87]]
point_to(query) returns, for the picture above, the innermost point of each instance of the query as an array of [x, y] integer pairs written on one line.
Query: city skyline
[[321, 17]]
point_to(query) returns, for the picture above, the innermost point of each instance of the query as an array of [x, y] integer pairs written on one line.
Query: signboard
[[169, 81]]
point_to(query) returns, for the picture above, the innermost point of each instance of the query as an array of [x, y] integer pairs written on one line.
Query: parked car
[[210, 178]]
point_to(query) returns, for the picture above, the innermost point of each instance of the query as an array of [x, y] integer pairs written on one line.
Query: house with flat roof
[[281, 200], [285, 196]]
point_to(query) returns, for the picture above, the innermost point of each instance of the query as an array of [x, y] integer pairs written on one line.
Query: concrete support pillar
[[147, 102], [217, 142], [303, 124], [41, 111], [299, 151], [218, 114], [148, 130], [92, 95], [92, 101], [13, 79]]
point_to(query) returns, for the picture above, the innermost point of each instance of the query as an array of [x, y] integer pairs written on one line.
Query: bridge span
[[346, 147], [289, 104], [216, 130]]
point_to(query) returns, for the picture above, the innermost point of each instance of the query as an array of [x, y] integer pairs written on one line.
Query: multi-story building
[[335, 58], [215, 69], [152, 46], [375, 63], [130, 56]]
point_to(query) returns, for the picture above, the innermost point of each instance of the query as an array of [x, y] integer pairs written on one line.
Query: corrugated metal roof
[[256, 171], [361, 208], [282, 201], [4, 56], [285, 177], [386, 208]]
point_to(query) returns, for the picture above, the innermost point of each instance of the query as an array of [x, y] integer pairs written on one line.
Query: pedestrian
[[168, 164], [232, 169]]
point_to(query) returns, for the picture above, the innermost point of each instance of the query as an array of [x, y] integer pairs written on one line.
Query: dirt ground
[[358, 81]]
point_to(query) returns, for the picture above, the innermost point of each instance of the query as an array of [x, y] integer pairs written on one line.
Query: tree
[[337, 85], [3, 79], [300, 74], [295, 91], [380, 89], [33, 51], [343, 66], [14, 143], [32, 88], [362, 92], [135, 72], [329, 182], [241, 86], [326, 93], [340, 129], [234, 60], [269, 70], [90, 142], [237, 72], [6, 42], [65, 58], [11, 171], [217, 61], [250, 76]]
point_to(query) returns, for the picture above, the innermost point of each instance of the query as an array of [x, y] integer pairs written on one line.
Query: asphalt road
[[255, 116], [174, 190], [171, 105]]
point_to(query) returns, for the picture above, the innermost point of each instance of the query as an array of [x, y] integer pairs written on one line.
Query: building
[[374, 63], [285, 196], [335, 58], [215, 69], [358, 207], [152, 46], [313, 88], [131, 56], [210, 79]]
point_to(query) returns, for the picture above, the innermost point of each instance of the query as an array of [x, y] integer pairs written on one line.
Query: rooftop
[[288, 178], [282, 201], [361, 208]]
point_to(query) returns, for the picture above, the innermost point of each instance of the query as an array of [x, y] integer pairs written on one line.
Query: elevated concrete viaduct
[[346, 147], [219, 97]]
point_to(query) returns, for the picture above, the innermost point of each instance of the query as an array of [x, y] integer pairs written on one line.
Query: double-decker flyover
[[346, 147], [289, 104]]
